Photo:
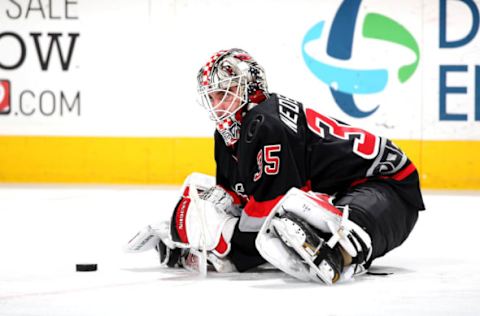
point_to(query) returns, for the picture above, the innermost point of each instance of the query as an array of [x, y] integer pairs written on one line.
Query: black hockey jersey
[[282, 145]]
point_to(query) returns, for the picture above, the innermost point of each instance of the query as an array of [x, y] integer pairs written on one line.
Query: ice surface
[[46, 230]]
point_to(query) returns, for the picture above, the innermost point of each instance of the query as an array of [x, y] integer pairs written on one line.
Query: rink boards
[[104, 91], [442, 164]]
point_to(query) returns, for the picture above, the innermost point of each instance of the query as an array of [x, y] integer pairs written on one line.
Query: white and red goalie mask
[[229, 84]]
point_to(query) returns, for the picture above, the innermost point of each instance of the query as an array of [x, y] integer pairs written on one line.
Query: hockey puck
[[86, 267]]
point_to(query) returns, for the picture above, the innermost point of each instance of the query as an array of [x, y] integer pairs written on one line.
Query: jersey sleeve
[[343, 156], [226, 170], [221, 159]]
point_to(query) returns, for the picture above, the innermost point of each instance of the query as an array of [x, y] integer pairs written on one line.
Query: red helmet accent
[[230, 80], [257, 96]]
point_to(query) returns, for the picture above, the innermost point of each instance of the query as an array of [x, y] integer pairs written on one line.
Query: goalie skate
[[322, 262]]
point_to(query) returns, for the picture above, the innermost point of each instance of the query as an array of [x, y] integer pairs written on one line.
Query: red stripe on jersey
[[262, 209], [357, 182], [399, 176]]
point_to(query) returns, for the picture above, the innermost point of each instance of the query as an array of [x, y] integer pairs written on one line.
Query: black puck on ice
[[86, 267]]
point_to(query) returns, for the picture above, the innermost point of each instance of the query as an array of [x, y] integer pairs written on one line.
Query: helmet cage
[[223, 98]]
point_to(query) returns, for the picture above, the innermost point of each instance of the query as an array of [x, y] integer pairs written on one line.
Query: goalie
[[313, 196]]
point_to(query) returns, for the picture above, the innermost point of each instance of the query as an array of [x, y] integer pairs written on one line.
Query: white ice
[[46, 230]]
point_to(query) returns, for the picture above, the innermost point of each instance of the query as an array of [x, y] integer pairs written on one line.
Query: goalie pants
[[382, 213], [374, 206]]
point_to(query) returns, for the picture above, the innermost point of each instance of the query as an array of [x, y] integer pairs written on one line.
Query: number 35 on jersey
[[270, 154]]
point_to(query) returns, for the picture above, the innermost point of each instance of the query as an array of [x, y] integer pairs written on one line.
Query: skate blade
[[323, 273]]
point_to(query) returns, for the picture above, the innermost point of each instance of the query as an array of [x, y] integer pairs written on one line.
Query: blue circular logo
[[345, 83]]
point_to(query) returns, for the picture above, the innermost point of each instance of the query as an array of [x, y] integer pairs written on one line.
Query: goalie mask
[[228, 85]]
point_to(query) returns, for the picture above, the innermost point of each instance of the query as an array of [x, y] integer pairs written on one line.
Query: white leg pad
[[274, 250]]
